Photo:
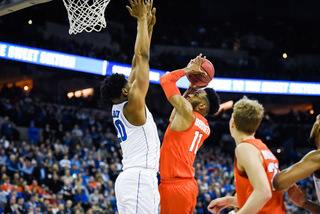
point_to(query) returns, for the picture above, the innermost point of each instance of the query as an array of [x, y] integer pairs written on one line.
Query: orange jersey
[[179, 149], [244, 189]]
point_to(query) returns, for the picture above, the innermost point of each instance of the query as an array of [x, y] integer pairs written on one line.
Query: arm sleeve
[[168, 82]]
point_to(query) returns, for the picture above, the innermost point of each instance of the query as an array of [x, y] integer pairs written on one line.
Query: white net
[[86, 15]]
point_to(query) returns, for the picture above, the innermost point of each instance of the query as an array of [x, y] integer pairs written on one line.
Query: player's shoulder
[[245, 148]]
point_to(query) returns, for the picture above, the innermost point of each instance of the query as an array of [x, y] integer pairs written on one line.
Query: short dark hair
[[112, 85], [214, 100]]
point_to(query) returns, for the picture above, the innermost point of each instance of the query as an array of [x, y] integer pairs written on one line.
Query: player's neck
[[120, 100], [240, 136]]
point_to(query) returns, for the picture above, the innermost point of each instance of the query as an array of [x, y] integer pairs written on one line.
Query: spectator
[[38, 209], [44, 192], [75, 161], [94, 197], [73, 143], [18, 181], [12, 149], [47, 133], [74, 170], [95, 136], [60, 198], [77, 131], [13, 165], [33, 132], [49, 210], [60, 133], [68, 209], [78, 209], [61, 209], [55, 184], [34, 186], [27, 170], [4, 143], [55, 203], [67, 176], [58, 154], [40, 172], [15, 192], [26, 193], [3, 157], [87, 140], [21, 207], [65, 162], [67, 191], [9, 206], [6, 187], [7, 128], [30, 210]]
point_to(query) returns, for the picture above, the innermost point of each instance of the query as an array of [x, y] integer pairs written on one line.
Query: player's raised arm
[[135, 108], [168, 84], [151, 18]]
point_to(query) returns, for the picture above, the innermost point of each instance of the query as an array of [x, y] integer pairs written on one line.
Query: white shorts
[[137, 191]]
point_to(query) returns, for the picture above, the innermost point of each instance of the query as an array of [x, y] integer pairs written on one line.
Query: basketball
[[201, 80]]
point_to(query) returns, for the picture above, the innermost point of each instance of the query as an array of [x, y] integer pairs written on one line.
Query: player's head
[[115, 88], [205, 101], [315, 133], [247, 116]]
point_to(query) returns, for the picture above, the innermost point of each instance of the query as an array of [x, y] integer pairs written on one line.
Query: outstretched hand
[[138, 8], [151, 15], [194, 66]]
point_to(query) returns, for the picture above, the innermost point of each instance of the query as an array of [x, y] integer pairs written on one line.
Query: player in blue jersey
[[137, 186]]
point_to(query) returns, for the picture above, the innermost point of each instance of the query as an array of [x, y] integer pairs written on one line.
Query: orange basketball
[[201, 80]]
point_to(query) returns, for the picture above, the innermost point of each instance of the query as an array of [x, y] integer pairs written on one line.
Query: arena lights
[[81, 93], [103, 67], [284, 55]]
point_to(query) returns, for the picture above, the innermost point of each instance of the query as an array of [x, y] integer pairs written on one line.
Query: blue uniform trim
[[138, 192], [145, 136]]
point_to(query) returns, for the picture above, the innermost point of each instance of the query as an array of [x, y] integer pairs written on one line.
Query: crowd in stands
[[71, 158]]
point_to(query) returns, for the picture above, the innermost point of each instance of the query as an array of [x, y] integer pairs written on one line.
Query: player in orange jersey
[[254, 167], [185, 134]]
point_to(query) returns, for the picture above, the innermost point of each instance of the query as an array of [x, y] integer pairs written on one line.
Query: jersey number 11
[[197, 137]]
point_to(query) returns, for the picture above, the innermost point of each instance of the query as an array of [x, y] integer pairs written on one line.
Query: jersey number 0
[[121, 131]]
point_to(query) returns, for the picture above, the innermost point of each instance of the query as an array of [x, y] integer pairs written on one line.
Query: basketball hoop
[[86, 15]]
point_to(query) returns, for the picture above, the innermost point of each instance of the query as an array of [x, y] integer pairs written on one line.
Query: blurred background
[[47, 113]]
